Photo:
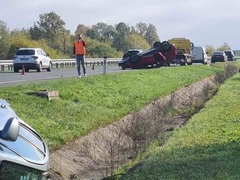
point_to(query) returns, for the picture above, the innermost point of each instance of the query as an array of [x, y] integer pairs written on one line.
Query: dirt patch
[[96, 155]]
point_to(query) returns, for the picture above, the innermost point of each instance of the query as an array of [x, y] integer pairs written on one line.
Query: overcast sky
[[204, 22]]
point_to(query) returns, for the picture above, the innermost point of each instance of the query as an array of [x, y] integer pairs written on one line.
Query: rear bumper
[[217, 60], [198, 61], [26, 65]]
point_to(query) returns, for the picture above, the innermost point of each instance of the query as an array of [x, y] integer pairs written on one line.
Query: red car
[[158, 56]]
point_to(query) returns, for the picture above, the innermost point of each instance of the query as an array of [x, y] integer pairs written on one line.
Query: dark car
[[230, 55], [157, 56], [181, 59], [23, 152], [219, 56]]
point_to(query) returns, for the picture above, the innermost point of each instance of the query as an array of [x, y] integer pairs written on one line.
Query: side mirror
[[10, 130], [47, 54], [207, 52]]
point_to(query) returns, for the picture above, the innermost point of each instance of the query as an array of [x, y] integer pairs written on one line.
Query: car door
[[46, 59], [41, 57]]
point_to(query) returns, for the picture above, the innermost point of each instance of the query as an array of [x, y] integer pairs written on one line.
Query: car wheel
[[157, 44], [134, 58], [15, 69], [126, 56], [124, 67], [166, 46], [39, 69], [26, 70], [49, 67]]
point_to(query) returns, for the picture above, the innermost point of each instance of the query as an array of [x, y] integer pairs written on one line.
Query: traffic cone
[[93, 65], [23, 70]]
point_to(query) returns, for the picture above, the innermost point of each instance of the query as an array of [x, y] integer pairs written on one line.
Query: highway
[[11, 78]]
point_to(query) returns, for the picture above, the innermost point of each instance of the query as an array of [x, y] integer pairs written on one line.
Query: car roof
[[30, 49]]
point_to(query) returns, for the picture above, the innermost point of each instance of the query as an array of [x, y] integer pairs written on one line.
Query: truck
[[184, 51]]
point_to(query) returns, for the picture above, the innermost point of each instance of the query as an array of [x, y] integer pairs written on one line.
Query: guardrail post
[[104, 65], [2, 67]]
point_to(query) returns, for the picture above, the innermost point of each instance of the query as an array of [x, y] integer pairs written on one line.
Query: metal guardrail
[[7, 65]]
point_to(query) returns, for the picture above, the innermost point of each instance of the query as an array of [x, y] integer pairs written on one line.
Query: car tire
[[39, 68], [123, 67], [26, 70], [49, 69], [126, 55], [134, 58], [157, 44], [166, 46]]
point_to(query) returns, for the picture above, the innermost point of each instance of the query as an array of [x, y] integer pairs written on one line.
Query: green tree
[[36, 33], [48, 26], [120, 38], [98, 49], [108, 34], [141, 28], [93, 33], [4, 40], [21, 41], [21, 33], [136, 41], [151, 34], [210, 49], [81, 29], [225, 46], [63, 42]]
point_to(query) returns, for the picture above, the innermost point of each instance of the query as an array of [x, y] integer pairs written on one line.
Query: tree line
[[49, 33]]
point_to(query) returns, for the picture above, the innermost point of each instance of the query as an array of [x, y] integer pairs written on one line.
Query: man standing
[[79, 50]]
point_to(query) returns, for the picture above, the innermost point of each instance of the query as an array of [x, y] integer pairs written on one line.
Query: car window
[[43, 52], [228, 52], [15, 171], [25, 52], [39, 52]]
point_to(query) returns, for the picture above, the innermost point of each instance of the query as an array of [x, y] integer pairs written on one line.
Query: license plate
[[24, 59]]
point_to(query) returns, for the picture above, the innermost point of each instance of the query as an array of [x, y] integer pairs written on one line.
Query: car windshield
[[228, 52], [11, 171], [25, 52]]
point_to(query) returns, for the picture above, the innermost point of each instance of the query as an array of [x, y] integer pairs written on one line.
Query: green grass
[[208, 147], [87, 103]]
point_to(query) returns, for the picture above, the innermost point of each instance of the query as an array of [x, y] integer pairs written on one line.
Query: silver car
[[23, 153], [31, 58]]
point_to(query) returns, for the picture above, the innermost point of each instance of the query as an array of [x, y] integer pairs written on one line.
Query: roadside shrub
[[20, 42]]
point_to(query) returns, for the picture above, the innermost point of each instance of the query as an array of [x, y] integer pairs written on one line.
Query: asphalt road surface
[[11, 78]]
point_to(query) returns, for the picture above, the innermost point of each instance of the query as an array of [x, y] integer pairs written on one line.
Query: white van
[[199, 55]]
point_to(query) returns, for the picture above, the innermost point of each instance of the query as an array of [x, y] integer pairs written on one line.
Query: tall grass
[[208, 147], [87, 103]]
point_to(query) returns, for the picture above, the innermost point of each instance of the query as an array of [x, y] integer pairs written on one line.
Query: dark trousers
[[80, 60]]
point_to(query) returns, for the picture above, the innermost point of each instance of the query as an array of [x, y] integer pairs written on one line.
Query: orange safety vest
[[79, 48]]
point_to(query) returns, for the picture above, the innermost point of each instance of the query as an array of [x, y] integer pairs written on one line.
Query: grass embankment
[[208, 147], [87, 103]]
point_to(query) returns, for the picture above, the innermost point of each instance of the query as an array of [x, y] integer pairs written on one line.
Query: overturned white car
[[23, 153]]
